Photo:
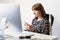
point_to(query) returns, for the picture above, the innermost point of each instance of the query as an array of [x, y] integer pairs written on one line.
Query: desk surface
[[35, 35], [40, 36]]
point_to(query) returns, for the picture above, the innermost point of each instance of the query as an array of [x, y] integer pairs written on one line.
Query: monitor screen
[[12, 14]]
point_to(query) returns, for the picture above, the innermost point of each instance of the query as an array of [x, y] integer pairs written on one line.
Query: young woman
[[39, 24]]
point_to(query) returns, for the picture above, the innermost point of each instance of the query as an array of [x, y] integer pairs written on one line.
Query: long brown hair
[[39, 7]]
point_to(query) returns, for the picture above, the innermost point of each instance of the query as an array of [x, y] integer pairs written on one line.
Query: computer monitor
[[12, 14]]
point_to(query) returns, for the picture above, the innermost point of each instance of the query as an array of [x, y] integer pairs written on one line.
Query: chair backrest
[[50, 18]]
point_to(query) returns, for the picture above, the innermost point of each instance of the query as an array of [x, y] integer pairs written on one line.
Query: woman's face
[[37, 13]]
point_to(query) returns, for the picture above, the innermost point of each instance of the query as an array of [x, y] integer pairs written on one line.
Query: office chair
[[50, 18]]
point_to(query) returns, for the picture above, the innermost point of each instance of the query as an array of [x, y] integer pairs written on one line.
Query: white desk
[[36, 36]]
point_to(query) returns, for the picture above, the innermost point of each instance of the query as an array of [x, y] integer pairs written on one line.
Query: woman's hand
[[28, 26]]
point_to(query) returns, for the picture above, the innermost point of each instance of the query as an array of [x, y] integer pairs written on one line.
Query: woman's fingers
[[27, 26]]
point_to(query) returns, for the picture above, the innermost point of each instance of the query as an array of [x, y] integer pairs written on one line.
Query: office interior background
[[51, 7]]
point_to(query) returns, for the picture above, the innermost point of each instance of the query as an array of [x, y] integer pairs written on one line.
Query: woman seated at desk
[[40, 24]]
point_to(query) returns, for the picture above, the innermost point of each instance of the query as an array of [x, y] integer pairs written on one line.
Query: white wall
[[9, 1], [51, 7]]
